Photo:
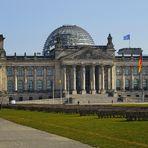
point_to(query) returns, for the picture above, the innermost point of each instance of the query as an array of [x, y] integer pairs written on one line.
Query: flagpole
[[129, 40], [142, 87], [140, 64], [142, 80], [129, 43]]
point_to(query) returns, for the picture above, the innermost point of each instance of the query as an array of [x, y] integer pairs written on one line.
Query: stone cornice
[[87, 62]]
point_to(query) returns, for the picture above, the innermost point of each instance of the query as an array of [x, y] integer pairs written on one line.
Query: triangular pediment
[[89, 54]]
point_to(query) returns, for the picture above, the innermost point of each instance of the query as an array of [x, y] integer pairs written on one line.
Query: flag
[[140, 63], [126, 37]]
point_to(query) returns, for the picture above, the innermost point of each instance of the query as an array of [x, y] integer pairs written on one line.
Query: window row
[[128, 70], [136, 84], [30, 85], [30, 71]]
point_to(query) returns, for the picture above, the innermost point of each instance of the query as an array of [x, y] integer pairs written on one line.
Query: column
[[15, 78], [44, 78], [123, 79], [132, 79], [74, 80], [93, 80], [83, 80], [109, 78], [35, 88], [102, 79], [113, 78], [65, 85], [25, 79], [1, 78]]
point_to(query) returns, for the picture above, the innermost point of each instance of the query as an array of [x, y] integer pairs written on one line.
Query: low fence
[[102, 111]]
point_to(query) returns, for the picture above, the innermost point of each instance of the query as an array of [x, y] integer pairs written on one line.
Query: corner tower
[[2, 50]]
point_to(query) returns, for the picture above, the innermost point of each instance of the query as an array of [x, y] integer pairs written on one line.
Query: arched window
[[20, 85], [136, 84], [49, 84], [30, 85], [39, 85], [127, 84], [118, 84], [10, 86]]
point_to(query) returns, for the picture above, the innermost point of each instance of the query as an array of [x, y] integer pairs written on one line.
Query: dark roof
[[135, 57], [128, 51], [28, 58]]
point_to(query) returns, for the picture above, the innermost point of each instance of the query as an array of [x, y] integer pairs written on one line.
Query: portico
[[90, 79]]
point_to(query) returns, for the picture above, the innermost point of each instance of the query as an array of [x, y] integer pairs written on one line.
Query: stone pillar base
[[114, 90], [83, 92], [93, 92], [64, 92], [102, 91], [74, 92]]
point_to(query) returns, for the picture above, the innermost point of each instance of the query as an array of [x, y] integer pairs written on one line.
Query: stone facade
[[88, 69]]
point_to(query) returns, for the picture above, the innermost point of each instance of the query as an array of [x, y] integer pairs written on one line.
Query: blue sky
[[27, 23]]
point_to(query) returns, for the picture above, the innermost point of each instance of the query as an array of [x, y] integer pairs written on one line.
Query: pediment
[[89, 54]]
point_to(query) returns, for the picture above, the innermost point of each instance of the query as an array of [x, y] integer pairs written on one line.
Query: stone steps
[[92, 98]]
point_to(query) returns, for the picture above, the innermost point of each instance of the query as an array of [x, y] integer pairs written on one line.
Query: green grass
[[130, 104], [103, 133]]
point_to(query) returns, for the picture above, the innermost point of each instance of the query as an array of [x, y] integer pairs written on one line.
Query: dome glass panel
[[70, 35]]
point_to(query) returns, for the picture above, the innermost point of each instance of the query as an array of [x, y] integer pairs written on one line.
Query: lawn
[[103, 133], [131, 104]]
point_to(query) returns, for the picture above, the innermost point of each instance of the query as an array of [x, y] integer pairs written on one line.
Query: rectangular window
[[30, 71], [50, 71], [39, 71], [9, 71], [145, 70], [20, 71], [118, 84], [10, 86], [30, 85], [39, 85], [145, 84], [127, 84], [136, 83], [127, 71], [20, 85], [135, 70], [49, 84], [118, 70]]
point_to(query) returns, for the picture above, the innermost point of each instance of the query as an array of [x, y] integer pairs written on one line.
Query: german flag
[[140, 64]]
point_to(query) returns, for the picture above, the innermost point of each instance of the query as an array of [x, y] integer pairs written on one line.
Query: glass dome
[[70, 35]]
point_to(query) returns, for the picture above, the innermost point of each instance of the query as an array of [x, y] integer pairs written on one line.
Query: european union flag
[[126, 37]]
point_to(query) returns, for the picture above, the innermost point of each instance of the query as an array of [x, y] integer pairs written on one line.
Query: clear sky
[[26, 24]]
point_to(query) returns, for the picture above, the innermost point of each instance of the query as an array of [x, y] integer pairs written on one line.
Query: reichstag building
[[71, 64]]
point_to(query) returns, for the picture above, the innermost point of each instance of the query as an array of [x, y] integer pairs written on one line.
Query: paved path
[[17, 136]]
